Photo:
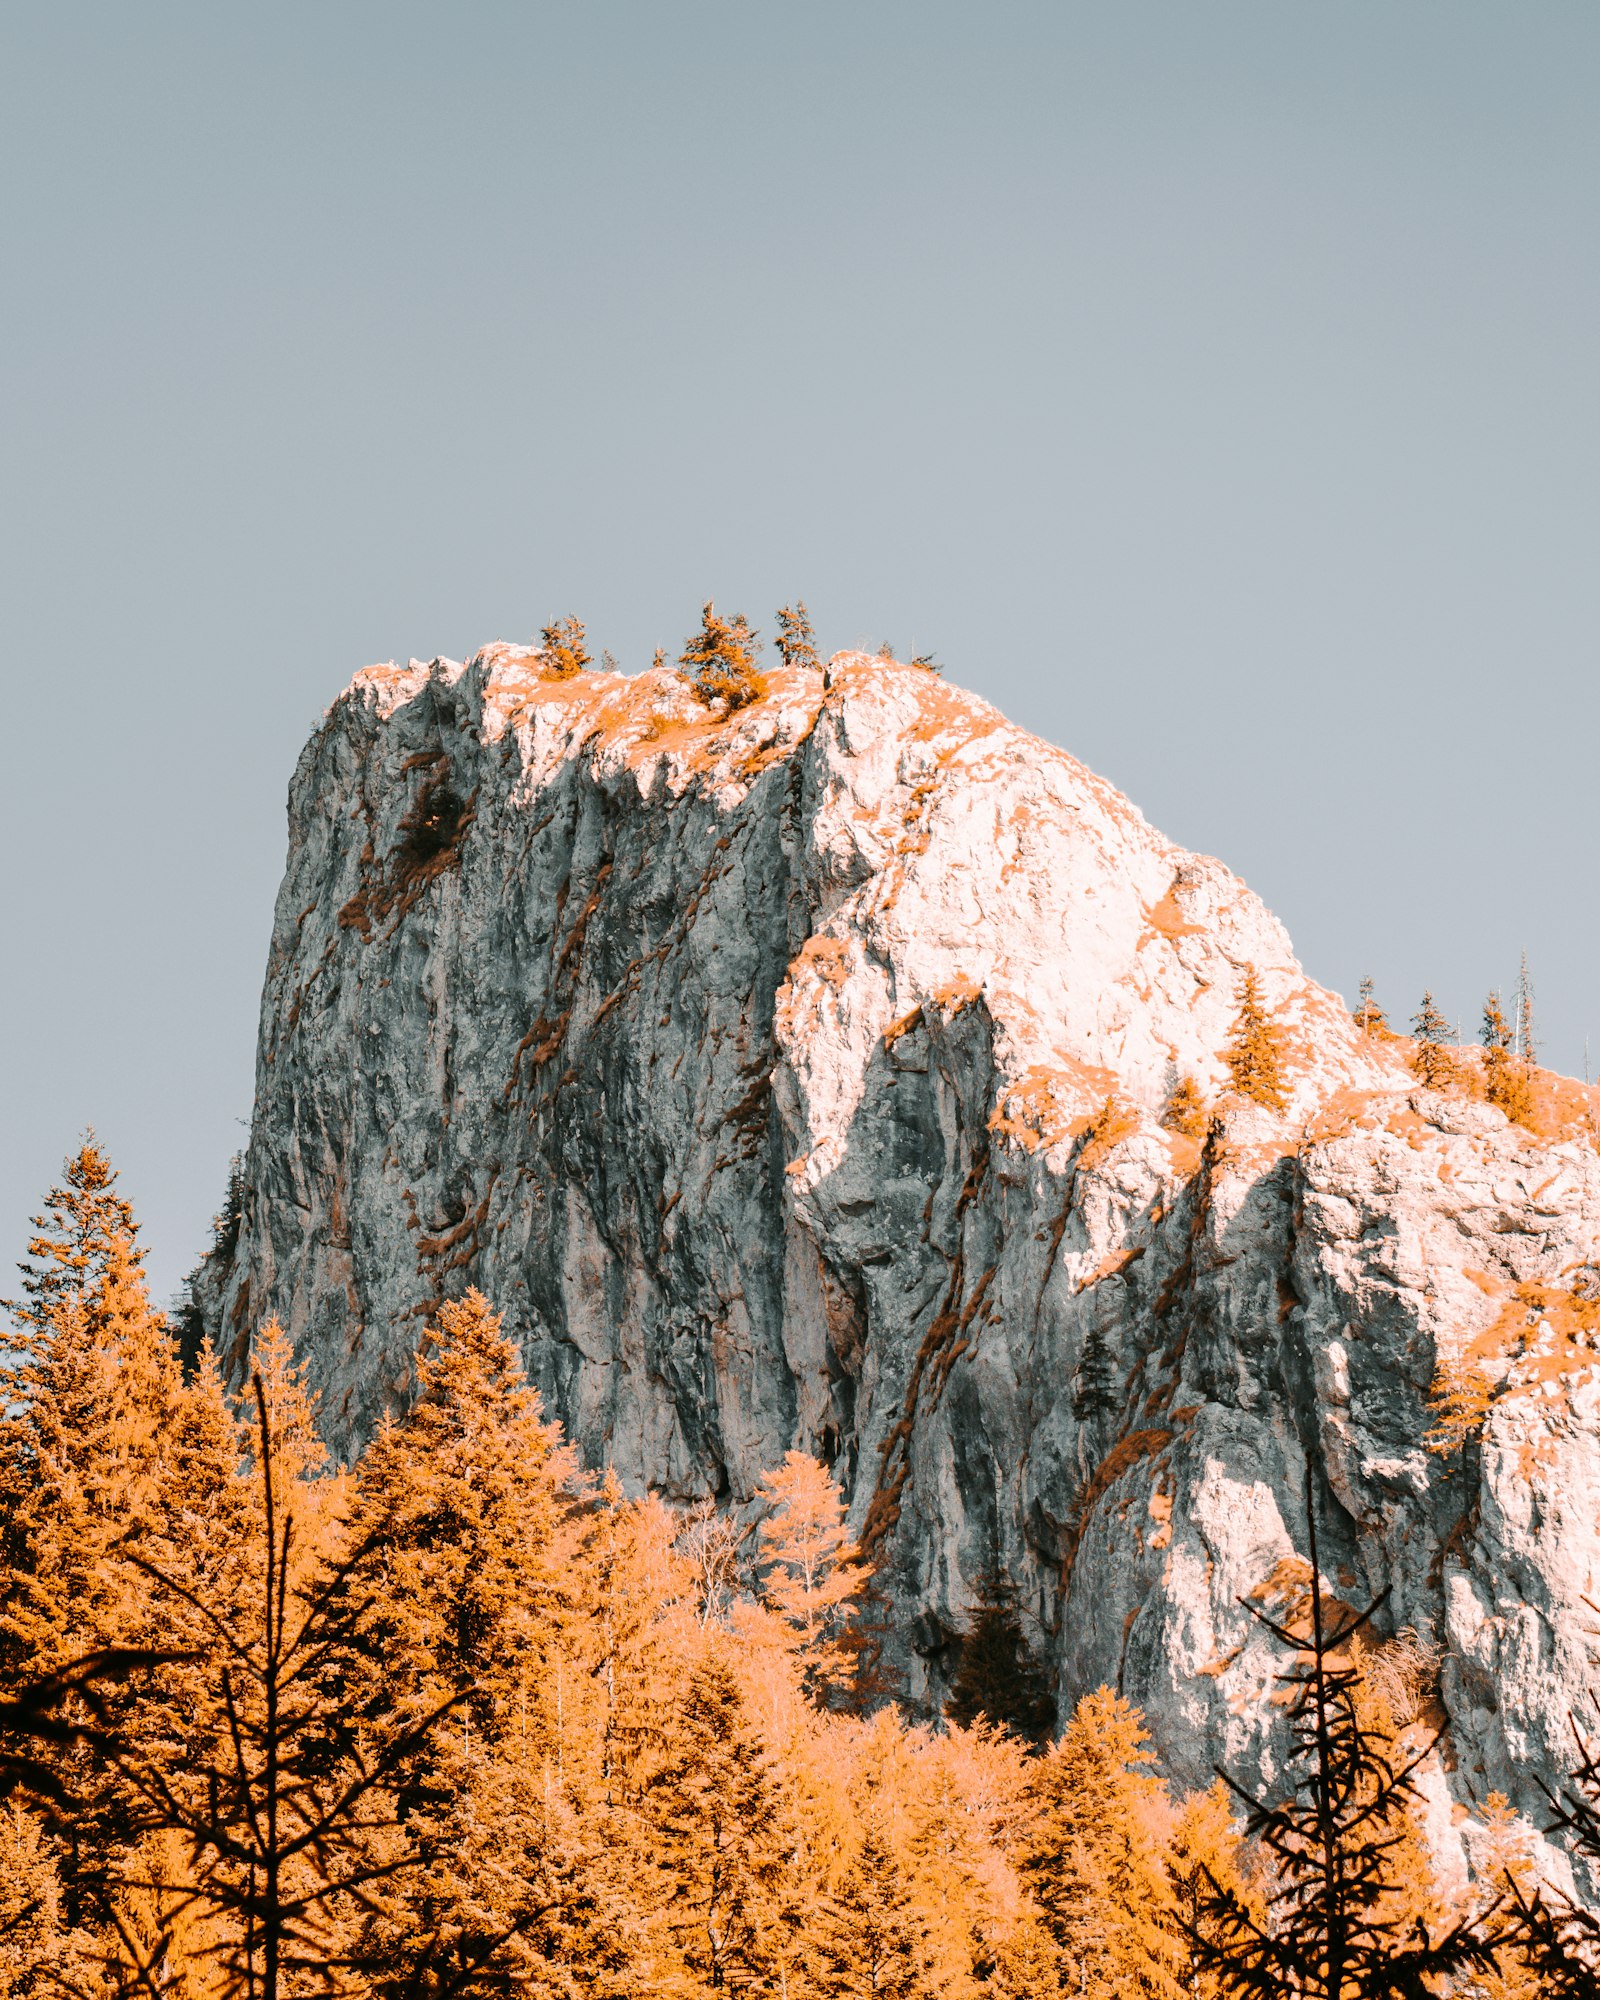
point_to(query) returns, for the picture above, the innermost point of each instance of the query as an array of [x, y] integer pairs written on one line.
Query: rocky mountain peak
[[799, 1077]]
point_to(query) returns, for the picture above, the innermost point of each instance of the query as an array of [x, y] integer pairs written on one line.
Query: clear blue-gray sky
[[1214, 386]]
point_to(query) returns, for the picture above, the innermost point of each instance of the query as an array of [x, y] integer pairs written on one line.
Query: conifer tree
[[796, 641], [88, 1443], [1505, 1073], [810, 1565], [873, 1938], [470, 1539], [1431, 1061], [1369, 1016], [1524, 1040], [1094, 1389], [463, 1508], [1256, 1057], [1095, 1856], [719, 661], [996, 1676], [562, 649], [1185, 1110], [285, 1815], [1333, 1928], [1505, 1867], [717, 1835]]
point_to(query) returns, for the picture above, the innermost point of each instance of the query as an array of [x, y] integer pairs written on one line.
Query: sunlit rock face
[[757, 1068]]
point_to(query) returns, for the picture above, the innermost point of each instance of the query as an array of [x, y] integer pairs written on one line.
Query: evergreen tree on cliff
[[1256, 1054], [719, 661], [997, 1678], [1505, 1074], [562, 649], [1369, 1016], [1431, 1061], [796, 641]]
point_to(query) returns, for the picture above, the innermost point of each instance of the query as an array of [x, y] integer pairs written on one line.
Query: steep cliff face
[[758, 1069]]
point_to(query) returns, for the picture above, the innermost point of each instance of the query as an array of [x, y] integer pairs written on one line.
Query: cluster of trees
[[1257, 1054], [465, 1720], [1510, 1047], [718, 661]]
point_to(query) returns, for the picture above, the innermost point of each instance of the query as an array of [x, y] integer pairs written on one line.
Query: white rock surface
[[749, 1066]]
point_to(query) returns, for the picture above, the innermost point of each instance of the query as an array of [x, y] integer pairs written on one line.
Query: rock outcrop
[[796, 1077]]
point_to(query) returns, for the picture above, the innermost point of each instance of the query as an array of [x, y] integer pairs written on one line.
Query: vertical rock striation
[[795, 1078]]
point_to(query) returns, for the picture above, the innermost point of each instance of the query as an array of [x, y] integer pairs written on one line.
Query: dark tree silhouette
[[1326, 1932], [996, 1675]]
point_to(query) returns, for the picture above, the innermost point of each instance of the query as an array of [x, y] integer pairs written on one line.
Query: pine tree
[[1524, 1040], [1094, 1389], [810, 1565], [873, 1938], [1505, 1074], [1506, 1869], [1369, 1016], [1095, 1856], [1185, 1110], [719, 661], [470, 1541], [996, 1676], [92, 1396], [1431, 1062], [562, 651], [796, 641], [716, 1835], [285, 1818], [1333, 1928], [1256, 1057], [1205, 1850]]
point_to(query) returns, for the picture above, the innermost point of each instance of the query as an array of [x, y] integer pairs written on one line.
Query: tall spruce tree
[[872, 1937], [719, 661], [1431, 1061], [810, 1565], [796, 641], [1336, 1926], [1256, 1056], [997, 1678], [1094, 1856], [717, 1836]]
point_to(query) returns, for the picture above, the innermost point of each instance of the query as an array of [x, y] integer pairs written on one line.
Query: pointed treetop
[[562, 649], [719, 661], [796, 640], [1256, 1057]]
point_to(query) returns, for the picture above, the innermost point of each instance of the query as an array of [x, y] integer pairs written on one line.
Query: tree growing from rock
[[796, 641], [1185, 1110], [1506, 1082], [562, 649], [1369, 1016], [1431, 1060], [719, 661], [1257, 1055]]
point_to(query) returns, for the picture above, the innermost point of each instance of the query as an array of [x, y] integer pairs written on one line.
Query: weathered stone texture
[[757, 1067]]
